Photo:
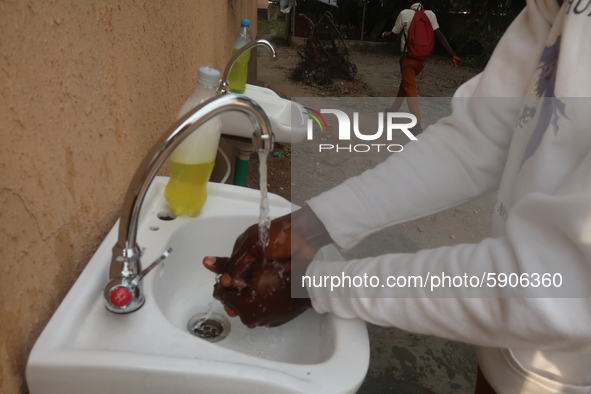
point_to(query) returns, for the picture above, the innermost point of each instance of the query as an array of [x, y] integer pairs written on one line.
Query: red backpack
[[421, 38]]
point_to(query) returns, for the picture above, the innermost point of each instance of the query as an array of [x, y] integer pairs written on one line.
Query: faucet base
[[121, 296]]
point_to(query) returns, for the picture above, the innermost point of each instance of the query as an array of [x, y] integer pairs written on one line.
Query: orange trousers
[[409, 69]]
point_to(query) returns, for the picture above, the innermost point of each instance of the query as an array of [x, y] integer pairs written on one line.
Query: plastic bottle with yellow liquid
[[239, 72], [192, 161]]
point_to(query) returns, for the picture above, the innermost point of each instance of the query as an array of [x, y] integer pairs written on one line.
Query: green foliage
[[267, 27], [274, 31], [473, 27], [488, 20]]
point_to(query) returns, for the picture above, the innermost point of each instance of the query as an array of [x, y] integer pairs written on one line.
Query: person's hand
[[262, 296], [387, 36], [456, 61], [255, 283]]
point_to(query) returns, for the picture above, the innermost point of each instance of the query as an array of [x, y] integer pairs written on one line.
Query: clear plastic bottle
[[239, 72], [192, 161]]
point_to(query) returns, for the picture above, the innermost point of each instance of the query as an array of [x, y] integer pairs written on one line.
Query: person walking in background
[[412, 61]]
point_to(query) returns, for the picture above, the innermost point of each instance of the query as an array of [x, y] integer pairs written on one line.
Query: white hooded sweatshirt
[[538, 155]]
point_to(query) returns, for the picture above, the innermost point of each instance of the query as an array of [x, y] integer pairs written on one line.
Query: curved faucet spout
[[223, 88], [125, 263]]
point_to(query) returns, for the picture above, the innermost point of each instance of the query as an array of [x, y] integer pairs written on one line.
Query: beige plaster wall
[[85, 88]]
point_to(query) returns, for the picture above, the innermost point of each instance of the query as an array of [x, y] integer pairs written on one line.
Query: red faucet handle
[[120, 297]]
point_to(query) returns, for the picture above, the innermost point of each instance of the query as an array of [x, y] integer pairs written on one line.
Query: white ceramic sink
[[86, 349], [288, 119]]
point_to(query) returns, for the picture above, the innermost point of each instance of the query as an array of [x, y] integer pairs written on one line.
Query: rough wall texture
[[85, 89]]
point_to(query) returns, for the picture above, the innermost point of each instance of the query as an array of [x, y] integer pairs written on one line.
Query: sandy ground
[[400, 362]]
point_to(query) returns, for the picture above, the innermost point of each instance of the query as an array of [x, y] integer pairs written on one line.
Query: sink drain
[[212, 327]]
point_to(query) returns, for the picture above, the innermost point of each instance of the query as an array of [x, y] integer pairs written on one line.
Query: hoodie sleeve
[[546, 233], [456, 159]]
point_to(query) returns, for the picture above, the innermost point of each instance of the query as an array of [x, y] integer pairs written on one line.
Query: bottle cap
[[244, 22], [208, 76]]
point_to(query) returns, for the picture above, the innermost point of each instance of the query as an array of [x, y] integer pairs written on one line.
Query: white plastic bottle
[[192, 161], [239, 72]]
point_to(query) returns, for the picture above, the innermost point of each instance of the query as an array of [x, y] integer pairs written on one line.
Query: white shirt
[[403, 22], [541, 222]]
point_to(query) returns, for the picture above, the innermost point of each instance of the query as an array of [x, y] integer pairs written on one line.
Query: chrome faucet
[[124, 292], [223, 88]]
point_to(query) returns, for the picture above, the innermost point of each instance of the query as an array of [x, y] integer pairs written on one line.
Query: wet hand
[[255, 282], [262, 296]]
